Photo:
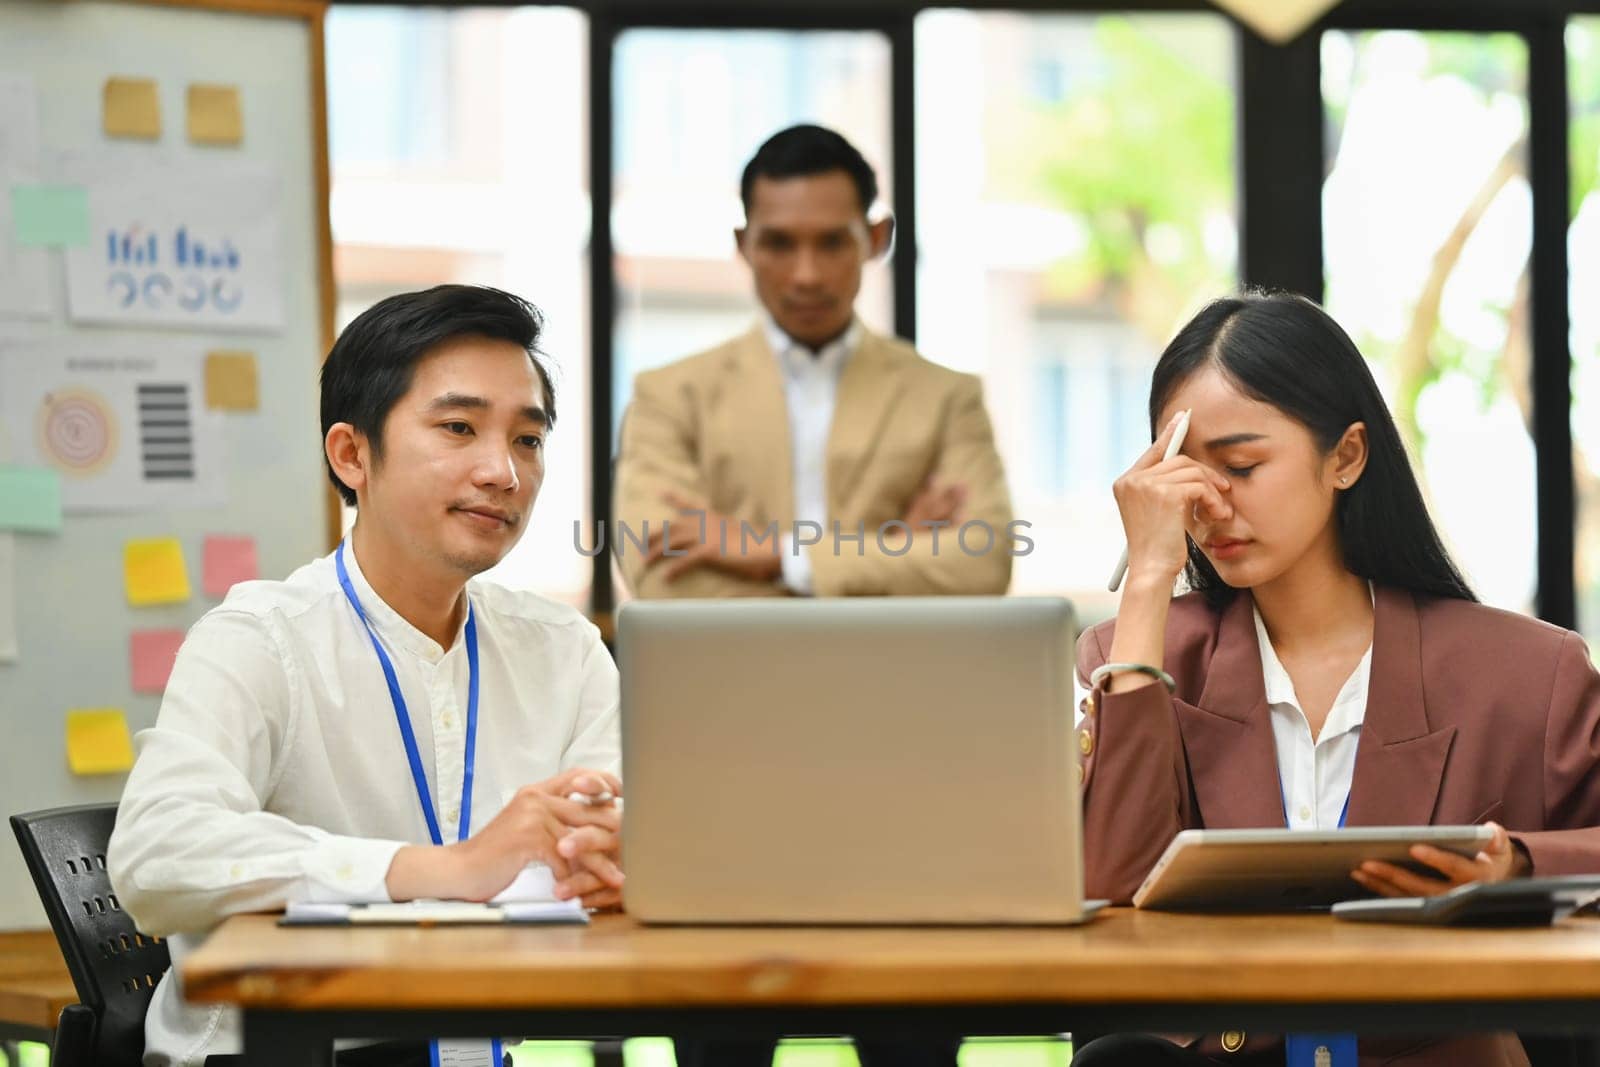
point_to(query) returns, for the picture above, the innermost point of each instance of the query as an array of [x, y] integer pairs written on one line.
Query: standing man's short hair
[[800, 151], [372, 363]]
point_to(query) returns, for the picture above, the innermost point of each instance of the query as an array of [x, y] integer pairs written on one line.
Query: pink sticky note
[[150, 654], [229, 560]]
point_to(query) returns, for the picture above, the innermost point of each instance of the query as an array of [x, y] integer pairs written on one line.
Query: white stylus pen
[[1173, 445], [593, 800]]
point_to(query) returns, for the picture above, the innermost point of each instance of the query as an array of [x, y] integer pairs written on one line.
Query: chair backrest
[[114, 967]]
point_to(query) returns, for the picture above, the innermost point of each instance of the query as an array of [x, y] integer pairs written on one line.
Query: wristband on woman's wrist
[[1101, 672]]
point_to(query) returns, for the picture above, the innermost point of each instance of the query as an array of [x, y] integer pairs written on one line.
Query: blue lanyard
[[1314, 1050], [403, 717]]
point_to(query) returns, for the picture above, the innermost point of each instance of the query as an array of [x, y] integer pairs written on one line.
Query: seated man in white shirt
[[318, 739]]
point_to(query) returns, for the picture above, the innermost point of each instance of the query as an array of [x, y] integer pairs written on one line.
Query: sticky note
[[232, 383], [30, 499], [150, 656], [228, 560], [131, 108], [154, 573], [50, 216], [98, 741], [214, 115]]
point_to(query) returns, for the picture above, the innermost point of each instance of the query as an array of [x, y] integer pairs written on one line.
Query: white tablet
[[1285, 870]]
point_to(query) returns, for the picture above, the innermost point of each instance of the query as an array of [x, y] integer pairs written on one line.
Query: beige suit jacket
[[715, 428]]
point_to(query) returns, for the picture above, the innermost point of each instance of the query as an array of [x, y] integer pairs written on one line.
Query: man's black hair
[[801, 151], [372, 363]]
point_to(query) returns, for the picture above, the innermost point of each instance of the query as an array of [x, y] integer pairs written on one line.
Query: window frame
[[1281, 170]]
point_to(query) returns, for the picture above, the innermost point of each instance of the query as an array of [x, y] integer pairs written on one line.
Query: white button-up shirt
[[276, 771], [811, 389], [1315, 775]]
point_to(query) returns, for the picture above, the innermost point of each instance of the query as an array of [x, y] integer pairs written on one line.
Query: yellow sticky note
[[132, 108], [232, 383], [154, 573], [215, 116], [98, 741]]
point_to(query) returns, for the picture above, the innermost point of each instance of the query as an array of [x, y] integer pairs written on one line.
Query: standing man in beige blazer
[[810, 456]]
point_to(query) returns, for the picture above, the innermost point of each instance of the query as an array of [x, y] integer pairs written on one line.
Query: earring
[[1343, 480]]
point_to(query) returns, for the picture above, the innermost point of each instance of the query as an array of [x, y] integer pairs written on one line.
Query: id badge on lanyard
[[1319, 1050], [454, 1053], [464, 1053]]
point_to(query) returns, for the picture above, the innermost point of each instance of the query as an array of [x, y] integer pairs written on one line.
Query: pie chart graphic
[[77, 431]]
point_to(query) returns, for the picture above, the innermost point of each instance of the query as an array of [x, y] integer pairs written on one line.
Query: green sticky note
[[50, 216], [30, 499]]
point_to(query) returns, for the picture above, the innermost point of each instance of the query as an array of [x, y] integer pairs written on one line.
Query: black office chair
[[113, 966]]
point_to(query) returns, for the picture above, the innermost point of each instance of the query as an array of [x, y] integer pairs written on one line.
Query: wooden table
[[300, 987], [34, 985]]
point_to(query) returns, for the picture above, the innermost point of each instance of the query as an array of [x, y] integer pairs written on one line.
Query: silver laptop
[[904, 760]]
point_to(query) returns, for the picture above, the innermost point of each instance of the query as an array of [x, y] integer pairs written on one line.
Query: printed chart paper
[[127, 431], [192, 245]]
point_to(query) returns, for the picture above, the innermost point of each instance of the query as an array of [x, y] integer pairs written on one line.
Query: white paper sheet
[[8, 597], [128, 430], [435, 913], [190, 244], [24, 272]]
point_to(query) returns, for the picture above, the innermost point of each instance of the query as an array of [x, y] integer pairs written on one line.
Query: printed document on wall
[[186, 244], [24, 272], [128, 430]]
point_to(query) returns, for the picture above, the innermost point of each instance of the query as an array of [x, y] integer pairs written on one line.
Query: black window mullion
[[903, 117], [1549, 170], [602, 302], [1281, 164]]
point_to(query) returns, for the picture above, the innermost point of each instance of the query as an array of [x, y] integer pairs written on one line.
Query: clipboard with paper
[[528, 900]]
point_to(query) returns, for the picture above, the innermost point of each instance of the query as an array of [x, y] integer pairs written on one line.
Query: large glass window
[[1427, 227], [458, 149], [1583, 58], [1076, 197], [692, 106]]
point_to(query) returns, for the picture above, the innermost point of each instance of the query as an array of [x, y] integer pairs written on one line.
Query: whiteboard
[[73, 619]]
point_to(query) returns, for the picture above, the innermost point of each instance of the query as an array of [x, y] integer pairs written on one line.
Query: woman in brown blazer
[[1329, 666]]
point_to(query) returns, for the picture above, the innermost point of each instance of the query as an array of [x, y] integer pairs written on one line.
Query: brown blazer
[[715, 428], [1473, 714]]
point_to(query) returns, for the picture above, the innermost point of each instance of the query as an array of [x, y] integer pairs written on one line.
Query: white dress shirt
[[811, 388], [276, 770], [1315, 775]]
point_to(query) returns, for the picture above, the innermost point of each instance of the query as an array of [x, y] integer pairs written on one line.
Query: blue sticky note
[[50, 216], [30, 499]]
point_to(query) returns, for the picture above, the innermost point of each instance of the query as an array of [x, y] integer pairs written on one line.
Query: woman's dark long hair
[[1286, 351]]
